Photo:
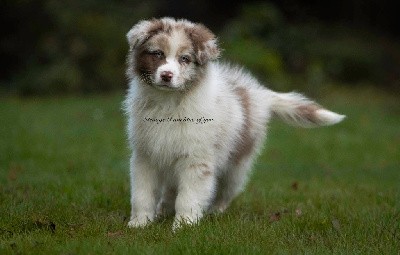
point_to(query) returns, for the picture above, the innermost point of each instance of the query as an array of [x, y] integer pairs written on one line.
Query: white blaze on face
[[176, 40], [171, 66]]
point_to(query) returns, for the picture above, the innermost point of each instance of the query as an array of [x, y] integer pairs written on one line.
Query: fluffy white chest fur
[[195, 125]]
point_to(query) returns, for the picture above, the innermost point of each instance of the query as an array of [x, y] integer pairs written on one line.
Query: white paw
[[139, 222], [185, 220]]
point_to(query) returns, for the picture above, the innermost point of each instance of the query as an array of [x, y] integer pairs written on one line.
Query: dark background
[[79, 47]]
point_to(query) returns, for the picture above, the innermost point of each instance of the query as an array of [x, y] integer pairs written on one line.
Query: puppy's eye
[[157, 53], [184, 59]]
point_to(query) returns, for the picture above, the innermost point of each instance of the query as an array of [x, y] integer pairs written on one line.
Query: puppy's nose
[[166, 76]]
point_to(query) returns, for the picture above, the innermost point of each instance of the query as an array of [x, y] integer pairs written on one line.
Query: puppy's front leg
[[143, 192], [195, 191]]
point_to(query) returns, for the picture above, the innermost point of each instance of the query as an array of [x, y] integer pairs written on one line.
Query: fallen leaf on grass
[[295, 185], [40, 222], [275, 217], [45, 224]]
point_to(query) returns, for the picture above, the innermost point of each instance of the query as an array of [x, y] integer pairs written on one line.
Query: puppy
[[195, 125]]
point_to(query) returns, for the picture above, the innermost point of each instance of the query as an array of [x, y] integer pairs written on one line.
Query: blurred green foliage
[[245, 40], [77, 46], [309, 54], [53, 47]]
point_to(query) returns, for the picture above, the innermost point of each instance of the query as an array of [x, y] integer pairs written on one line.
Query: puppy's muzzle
[[166, 76]]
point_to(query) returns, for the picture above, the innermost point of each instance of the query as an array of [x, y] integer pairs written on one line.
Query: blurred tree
[[75, 46], [311, 53], [51, 46], [246, 38], [22, 26]]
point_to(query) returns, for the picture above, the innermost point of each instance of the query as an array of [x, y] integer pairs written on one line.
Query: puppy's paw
[[183, 221], [218, 208], [139, 222]]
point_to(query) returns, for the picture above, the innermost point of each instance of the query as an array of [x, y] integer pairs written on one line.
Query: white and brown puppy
[[195, 125]]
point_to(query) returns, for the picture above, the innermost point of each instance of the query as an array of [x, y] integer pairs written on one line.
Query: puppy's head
[[170, 54]]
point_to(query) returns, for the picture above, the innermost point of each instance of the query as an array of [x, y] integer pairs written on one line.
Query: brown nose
[[166, 76]]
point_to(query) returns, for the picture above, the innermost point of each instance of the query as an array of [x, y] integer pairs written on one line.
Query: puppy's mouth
[[165, 86], [171, 85]]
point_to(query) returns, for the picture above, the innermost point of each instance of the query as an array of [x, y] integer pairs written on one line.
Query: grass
[[64, 185]]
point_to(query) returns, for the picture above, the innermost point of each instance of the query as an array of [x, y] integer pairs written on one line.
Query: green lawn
[[64, 185]]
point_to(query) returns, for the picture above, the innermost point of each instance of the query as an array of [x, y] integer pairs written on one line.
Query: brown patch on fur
[[205, 169], [146, 63], [308, 112], [186, 48], [246, 143], [162, 42], [200, 35], [206, 173], [156, 27]]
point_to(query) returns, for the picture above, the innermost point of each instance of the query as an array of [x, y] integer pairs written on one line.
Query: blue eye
[[184, 59]]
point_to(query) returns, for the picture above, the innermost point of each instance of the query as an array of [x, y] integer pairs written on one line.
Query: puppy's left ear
[[204, 43]]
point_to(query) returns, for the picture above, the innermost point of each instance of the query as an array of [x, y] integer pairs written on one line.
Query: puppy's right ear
[[204, 43], [142, 31]]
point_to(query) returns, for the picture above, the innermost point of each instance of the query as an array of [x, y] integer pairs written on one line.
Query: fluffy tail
[[298, 110]]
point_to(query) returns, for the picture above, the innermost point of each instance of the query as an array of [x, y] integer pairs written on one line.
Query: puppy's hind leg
[[230, 185], [166, 205]]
